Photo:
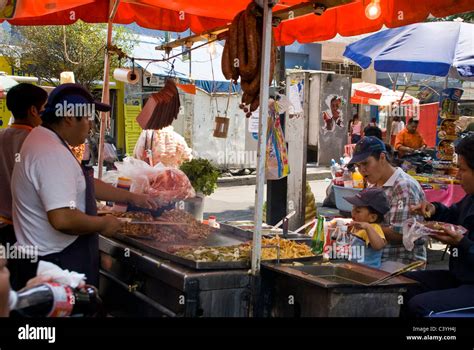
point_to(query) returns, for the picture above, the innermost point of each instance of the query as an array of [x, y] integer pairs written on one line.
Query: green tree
[[46, 51], [467, 17]]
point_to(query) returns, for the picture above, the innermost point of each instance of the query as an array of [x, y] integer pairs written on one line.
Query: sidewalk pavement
[[313, 173]]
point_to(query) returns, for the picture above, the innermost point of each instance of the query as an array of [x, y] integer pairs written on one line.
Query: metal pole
[[105, 116], [277, 189], [262, 134]]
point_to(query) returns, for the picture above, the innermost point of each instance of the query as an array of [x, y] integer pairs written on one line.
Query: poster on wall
[[446, 129], [334, 115]]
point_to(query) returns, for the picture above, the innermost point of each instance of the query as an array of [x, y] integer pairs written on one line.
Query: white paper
[[253, 121], [295, 100]]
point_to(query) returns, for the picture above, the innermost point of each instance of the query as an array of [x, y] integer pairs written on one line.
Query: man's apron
[[83, 254]]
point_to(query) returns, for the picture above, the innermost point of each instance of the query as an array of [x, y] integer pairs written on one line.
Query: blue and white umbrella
[[433, 48]]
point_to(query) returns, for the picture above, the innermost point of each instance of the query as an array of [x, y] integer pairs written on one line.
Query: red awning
[[201, 15]]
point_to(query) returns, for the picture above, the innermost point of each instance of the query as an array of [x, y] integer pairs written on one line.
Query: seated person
[[370, 206], [409, 139], [453, 289]]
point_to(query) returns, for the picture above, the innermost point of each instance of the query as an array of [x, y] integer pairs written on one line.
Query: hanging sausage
[[161, 108], [242, 55]]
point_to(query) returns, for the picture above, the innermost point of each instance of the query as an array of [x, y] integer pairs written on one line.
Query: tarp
[[428, 122], [432, 48], [201, 15]]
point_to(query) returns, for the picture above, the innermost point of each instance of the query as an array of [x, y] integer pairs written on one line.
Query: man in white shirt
[[54, 207], [25, 102]]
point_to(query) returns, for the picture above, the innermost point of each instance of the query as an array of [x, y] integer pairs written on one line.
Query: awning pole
[[262, 134], [105, 116]]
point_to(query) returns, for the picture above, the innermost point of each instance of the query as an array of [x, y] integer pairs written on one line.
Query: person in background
[[373, 122], [397, 126], [453, 289], [26, 102], [372, 159], [54, 195], [373, 131], [356, 129], [409, 139], [370, 206]]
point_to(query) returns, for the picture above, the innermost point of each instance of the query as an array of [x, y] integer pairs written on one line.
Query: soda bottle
[[317, 242], [334, 167], [56, 300], [347, 178], [339, 181], [357, 179]]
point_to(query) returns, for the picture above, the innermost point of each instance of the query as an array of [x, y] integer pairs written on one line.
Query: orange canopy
[[201, 15]]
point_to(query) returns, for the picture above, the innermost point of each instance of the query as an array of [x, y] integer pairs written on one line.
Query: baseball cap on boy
[[374, 198]]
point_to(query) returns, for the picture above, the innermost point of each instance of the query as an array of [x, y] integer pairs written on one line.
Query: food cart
[[139, 276]]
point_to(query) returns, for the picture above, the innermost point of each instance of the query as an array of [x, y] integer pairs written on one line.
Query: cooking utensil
[[398, 272], [281, 221]]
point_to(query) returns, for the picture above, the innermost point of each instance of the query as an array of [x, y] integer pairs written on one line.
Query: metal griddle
[[225, 236]]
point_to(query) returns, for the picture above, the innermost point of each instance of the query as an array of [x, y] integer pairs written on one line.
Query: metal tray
[[225, 236], [217, 238], [266, 231]]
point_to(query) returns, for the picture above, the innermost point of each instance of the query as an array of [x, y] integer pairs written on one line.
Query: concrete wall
[[307, 56]]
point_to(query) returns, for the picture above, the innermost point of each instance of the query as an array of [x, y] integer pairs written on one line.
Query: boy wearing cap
[[54, 195], [370, 206], [402, 192]]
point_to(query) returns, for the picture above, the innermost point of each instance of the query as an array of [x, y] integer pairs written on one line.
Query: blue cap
[[72, 94], [374, 198], [365, 147]]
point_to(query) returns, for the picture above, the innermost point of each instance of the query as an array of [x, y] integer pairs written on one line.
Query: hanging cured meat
[[161, 108], [242, 55]]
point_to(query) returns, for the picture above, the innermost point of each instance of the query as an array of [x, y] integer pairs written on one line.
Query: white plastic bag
[[110, 153], [413, 230], [163, 183]]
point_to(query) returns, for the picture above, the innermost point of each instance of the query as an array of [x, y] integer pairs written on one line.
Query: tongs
[[399, 272], [282, 220], [130, 221]]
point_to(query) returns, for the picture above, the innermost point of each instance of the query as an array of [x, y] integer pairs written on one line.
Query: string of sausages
[[242, 55], [161, 108]]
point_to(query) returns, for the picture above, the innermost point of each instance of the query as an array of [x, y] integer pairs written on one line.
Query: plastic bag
[[137, 170], [110, 153], [162, 146], [414, 229], [170, 185], [163, 183], [277, 165]]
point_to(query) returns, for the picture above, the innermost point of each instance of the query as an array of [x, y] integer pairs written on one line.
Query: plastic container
[[340, 192], [123, 183], [357, 179], [347, 178], [211, 221]]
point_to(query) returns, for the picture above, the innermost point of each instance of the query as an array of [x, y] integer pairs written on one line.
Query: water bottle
[[347, 178], [56, 300], [334, 167]]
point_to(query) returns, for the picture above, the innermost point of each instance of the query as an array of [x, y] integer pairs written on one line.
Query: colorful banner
[[446, 130]]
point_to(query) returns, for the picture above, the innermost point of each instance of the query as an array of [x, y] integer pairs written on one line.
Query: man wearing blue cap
[[371, 157], [54, 196]]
